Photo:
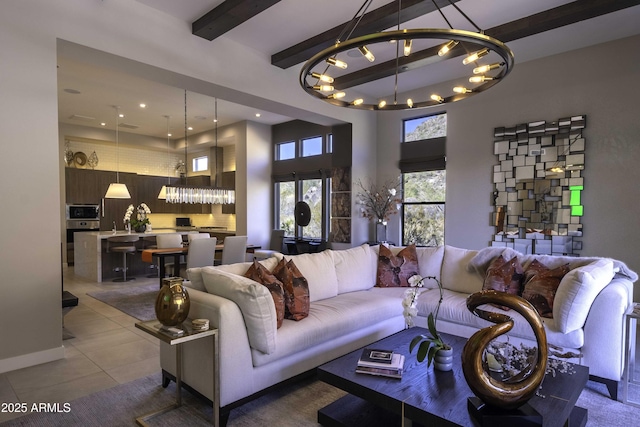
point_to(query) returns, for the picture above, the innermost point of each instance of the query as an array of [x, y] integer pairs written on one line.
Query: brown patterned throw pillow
[[541, 284], [259, 273], [395, 270], [504, 276], [296, 290]]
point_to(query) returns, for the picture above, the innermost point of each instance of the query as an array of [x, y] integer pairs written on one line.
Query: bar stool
[[124, 248]]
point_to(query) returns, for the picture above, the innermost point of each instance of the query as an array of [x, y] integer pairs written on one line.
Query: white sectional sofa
[[347, 312]]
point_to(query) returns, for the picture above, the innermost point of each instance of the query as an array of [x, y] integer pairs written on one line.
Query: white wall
[[601, 82], [147, 43]]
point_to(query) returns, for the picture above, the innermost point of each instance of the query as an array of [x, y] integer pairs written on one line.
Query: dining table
[[162, 254]]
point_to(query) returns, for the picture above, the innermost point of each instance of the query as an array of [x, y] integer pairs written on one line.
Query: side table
[[628, 377], [152, 327]]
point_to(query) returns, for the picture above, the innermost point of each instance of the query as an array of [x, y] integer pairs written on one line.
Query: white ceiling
[[101, 89]]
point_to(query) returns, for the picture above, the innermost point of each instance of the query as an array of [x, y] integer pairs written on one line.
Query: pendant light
[[163, 191], [117, 190], [190, 194]]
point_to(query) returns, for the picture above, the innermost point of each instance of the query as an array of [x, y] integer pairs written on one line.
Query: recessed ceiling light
[[121, 115], [73, 91], [189, 128], [169, 134], [103, 124], [258, 114], [143, 105]]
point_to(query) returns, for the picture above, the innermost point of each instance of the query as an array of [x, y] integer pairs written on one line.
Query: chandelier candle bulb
[[322, 77], [367, 53], [337, 95], [447, 47], [475, 56], [382, 104], [461, 89], [324, 88], [479, 79], [484, 68], [407, 47], [410, 102], [357, 101], [437, 98], [337, 63]]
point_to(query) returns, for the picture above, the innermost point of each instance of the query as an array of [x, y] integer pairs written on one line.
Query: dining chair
[[275, 246], [201, 252], [234, 249], [170, 240], [195, 236]]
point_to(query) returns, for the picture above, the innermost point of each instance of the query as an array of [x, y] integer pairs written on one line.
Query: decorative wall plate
[[80, 160]]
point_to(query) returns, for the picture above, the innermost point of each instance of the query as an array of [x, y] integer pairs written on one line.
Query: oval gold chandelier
[[488, 59]]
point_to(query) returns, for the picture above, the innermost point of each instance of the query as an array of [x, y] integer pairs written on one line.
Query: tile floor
[[106, 350]]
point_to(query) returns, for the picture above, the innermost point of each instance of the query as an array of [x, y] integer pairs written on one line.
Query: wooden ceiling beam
[[228, 15], [557, 17], [377, 20]]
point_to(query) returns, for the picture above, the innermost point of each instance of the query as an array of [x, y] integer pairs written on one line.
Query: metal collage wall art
[[538, 184]]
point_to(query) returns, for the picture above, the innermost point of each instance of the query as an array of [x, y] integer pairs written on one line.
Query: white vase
[[443, 360]]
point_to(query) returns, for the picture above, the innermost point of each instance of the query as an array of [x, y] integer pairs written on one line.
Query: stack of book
[[384, 363]]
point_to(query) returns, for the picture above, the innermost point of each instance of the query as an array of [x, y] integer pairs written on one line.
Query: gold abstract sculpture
[[517, 390]]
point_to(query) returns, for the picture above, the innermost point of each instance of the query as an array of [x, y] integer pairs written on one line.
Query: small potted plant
[[431, 346]]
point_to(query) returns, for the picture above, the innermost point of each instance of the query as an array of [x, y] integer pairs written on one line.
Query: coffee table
[[428, 397]]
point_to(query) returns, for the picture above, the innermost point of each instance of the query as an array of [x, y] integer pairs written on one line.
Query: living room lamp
[[116, 189], [417, 48]]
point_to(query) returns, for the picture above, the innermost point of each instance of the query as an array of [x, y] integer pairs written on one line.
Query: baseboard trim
[[31, 359]]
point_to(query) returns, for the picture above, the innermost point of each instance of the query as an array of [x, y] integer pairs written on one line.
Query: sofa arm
[[234, 352], [603, 348]]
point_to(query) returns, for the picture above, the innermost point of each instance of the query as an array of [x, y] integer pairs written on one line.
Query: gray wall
[[601, 82]]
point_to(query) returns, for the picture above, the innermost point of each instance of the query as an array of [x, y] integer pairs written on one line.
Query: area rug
[[136, 301], [120, 405]]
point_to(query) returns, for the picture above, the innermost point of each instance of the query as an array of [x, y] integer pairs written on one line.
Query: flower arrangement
[[379, 203], [428, 345], [140, 219]]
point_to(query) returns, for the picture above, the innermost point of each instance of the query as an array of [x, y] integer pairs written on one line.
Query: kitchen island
[[93, 262]]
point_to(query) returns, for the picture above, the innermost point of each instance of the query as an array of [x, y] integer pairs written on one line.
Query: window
[[330, 143], [423, 208], [200, 164], [286, 150], [426, 127], [286, 200], [312, 146]]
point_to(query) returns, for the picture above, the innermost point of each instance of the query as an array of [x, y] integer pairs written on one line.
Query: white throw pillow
[[195, 274], [320, 273], [577, 291], [430, 261], [353, 269], [255, 302], [455, 275]]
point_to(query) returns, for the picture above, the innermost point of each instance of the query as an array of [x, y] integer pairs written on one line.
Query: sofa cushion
[[577, 291], [455, 276], [195, 274], [504, 276], [333, 318], [296, 290], [260, 274], [353, 269], [395, 270], [541, 284], [254, 301], [320, 273]]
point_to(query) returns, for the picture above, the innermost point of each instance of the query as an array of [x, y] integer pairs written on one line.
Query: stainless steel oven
[[80, 218]]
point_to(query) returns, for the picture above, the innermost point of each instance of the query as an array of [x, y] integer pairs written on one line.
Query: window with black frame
[[422, 163]]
